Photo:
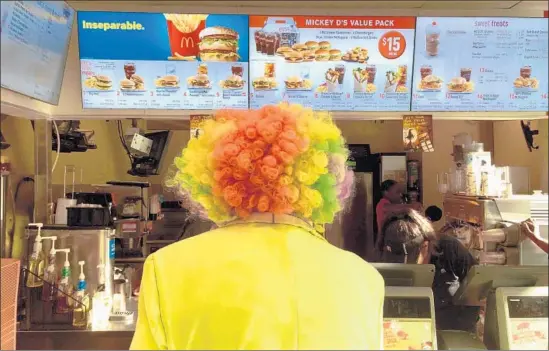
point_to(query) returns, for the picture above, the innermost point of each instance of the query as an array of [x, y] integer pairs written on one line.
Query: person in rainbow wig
[[266, 278]]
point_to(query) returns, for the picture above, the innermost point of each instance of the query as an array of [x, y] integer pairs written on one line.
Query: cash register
[[516, 307], [408, 311]]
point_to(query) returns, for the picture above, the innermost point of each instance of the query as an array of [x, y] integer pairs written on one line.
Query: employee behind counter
[[409, 237]]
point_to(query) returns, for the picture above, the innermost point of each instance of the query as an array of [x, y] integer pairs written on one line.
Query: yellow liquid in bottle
[[80, 314], [36, 267]]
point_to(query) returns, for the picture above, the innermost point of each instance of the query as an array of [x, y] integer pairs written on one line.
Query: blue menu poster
[[481, 64], [163, 60], [332, 63]]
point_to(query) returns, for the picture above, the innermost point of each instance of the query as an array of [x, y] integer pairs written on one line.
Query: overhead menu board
[[35, 38], [481, 64], [332, 63], [163, 60]]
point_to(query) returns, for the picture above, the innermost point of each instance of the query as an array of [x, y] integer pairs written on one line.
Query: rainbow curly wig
[[283, 159]]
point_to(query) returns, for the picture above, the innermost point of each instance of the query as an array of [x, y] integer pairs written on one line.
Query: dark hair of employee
[[406, 236]]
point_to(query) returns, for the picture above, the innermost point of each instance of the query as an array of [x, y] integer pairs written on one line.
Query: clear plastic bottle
[[50, 274], [101, 303], [37, 261], [63, 302], [82, 307]]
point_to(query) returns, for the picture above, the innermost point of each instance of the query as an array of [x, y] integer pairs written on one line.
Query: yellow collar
[[271, 218]]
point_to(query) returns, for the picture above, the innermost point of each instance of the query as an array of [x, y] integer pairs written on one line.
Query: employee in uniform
[[410, 238], [267, 278], [391, 202]]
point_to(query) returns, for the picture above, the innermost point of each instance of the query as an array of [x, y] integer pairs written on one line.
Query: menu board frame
[[197, 55], [302, 42], [416, 75], [62, 67]]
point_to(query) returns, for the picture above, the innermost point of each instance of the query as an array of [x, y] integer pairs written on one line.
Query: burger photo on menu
[[296, 83], [429, 81], [169, 81], [103, 82], [264, 83], [460, 85], [201, 79], [233, 82], [218, 44], [127, 84]]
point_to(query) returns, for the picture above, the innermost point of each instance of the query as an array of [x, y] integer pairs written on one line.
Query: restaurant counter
[[117, 336]]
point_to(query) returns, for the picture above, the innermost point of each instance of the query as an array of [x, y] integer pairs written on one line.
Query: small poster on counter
[[197, 124], [417, 133], [407, 334], [528, 334]]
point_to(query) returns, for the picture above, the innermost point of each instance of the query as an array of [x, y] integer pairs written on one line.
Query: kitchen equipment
[[495, 237], [64, 202], [88, 215]]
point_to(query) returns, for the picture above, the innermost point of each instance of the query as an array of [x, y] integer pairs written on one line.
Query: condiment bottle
[[36, 263]]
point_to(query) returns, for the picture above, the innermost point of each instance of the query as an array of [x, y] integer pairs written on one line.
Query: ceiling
[[536, 5]]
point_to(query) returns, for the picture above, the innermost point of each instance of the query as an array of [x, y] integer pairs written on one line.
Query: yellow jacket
[[255, 285]]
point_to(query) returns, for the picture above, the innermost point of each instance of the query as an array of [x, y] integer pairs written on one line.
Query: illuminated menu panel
[[481, 64], [332, 63], [163, 60], [35, 38]]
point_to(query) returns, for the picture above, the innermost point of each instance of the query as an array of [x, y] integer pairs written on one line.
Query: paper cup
[[332, 87]]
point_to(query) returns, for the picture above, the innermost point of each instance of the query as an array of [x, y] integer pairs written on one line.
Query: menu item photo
[[298, 83], [180, 61], [168, 81], [481, 64], [218, 44], [345, 59], [103, 82], [525, 80]]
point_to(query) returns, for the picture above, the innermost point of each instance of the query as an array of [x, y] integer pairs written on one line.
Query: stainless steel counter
[[118, 336], [74, 340]]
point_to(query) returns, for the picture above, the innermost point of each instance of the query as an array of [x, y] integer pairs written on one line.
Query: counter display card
[[407, 334], [163, 60], [332, 63], [481, 64], [35, 38]]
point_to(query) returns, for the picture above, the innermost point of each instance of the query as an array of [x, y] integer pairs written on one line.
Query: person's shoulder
[[357, 266], [193, 246], [383, 202]]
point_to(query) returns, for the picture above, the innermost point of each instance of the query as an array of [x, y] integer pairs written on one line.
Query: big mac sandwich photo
[[218, 44]]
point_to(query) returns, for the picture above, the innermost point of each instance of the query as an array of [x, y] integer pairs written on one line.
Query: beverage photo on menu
[[181, 61], [332, 63], [480, 64]]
